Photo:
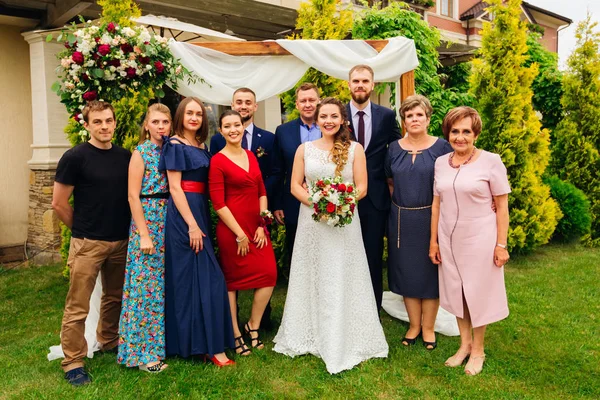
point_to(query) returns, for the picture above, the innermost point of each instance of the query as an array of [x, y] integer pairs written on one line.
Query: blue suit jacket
[[260, 139], [384, 131], [287, 141]]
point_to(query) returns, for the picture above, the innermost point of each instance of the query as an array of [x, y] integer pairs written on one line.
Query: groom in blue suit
[[374, 127], [257, 140], [288, 137]]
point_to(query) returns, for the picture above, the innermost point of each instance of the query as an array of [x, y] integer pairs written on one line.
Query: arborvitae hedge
[[575, 151], [501, 85]]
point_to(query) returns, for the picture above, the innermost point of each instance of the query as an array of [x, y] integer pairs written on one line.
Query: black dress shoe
[[77, 377]]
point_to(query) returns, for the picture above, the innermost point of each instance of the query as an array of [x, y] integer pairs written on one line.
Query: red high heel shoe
[[220, 364]]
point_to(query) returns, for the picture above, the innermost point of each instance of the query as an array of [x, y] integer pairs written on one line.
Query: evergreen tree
[[547, 85], [501, 84], [575, 152], [320, 19]]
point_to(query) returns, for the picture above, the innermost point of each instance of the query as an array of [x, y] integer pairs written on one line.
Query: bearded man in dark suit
[[374, 127]]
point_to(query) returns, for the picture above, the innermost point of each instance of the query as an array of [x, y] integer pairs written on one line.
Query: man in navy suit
[[374, 127], [288, 137], [259, 141]]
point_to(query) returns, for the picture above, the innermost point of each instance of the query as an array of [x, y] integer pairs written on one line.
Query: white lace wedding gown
[[330, 309]]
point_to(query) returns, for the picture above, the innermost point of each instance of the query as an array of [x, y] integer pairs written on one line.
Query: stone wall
[[43, 236]]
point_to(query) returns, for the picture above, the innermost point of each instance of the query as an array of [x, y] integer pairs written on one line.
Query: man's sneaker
[[77, 377]]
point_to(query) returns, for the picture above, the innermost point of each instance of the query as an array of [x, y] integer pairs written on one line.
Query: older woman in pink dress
[[468, 239]]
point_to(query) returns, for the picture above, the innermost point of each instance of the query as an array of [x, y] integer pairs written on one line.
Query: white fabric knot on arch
[[269, 76]]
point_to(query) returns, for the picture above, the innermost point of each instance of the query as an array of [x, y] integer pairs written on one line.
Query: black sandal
[[240, 344], [155, 369], [432, 344], [249, 332], [409, 342]]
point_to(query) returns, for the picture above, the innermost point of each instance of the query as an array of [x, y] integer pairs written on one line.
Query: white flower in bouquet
[[333, 197], [333, 221], [316, 196]]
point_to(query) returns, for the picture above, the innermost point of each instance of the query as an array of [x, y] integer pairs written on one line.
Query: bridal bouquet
[[334, 201]]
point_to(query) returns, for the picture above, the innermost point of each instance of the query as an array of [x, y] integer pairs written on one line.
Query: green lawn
[[548, 348]]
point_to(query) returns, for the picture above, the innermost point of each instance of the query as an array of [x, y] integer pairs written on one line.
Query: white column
[[49, 116], [268, 115]]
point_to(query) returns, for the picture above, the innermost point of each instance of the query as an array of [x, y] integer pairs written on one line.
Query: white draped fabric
[[445, 323], [269, 76]]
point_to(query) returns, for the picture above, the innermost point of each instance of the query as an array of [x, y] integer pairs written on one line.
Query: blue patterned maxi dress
[[142, 326]]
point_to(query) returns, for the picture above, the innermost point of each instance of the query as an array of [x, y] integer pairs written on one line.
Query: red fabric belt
[[193, 187]]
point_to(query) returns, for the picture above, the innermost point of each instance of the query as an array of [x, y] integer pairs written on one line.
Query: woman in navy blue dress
[[409, 168], [197, 314]]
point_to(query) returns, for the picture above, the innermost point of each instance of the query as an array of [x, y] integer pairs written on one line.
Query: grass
[[548, 348]]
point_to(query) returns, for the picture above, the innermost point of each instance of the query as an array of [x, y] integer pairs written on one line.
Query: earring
[[147, 135]]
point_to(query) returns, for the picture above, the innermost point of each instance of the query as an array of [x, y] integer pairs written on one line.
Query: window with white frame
[[447, 8]]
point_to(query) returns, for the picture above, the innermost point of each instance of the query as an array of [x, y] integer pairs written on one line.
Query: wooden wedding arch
[[270, 48]]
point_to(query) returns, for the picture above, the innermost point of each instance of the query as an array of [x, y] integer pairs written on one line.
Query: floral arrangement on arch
[[334, 201], [103, 62]]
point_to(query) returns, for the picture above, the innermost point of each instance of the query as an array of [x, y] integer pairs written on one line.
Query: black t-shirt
[[101, 209]]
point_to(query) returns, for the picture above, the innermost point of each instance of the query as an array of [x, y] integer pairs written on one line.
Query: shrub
[[501, 83], [576, 147], [575, 207]]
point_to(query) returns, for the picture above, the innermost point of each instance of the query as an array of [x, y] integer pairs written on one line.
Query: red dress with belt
[[240, 190]]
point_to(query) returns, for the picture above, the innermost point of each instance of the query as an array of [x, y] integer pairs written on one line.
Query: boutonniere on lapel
[[260, 152], [349, 125]]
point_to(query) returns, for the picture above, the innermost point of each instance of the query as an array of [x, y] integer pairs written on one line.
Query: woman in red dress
[[238, 195]]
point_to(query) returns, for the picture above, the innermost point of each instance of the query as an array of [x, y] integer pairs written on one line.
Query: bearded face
[[361, 86]]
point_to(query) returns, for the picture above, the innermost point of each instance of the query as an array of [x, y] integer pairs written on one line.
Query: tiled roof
[[474, 12]]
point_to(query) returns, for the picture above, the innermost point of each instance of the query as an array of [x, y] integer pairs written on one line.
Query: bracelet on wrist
[[501, 245], [193, 230], [238, 240]]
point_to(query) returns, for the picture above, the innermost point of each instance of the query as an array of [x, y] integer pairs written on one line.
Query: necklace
[[466, 162]]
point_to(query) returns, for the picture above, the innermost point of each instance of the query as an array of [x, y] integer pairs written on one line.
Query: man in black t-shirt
[[95, 173]]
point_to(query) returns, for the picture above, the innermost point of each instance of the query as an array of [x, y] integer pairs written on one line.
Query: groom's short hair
[[361, 67]]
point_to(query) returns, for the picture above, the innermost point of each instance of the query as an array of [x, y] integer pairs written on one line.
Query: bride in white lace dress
[[330, 308]]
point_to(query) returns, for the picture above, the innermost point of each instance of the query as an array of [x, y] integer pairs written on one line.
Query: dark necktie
[[361, 128], [245, 140]]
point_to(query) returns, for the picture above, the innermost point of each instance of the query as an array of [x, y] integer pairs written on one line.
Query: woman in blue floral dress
[[142, 327]]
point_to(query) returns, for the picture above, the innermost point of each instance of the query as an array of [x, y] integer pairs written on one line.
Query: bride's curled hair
[[341, 145]]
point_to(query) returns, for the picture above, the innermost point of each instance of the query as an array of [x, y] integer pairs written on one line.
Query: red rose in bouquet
[[159, 67]]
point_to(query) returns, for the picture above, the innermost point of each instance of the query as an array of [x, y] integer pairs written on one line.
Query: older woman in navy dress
[[410, 167], [197, 317]]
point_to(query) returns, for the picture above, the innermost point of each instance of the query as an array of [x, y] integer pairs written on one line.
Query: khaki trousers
[[86, 259]]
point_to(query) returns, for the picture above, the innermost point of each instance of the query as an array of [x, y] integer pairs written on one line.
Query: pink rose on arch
[[110, 27], [77, 57], [90, 96], [103, 49], [130, 72], [159, 67]]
